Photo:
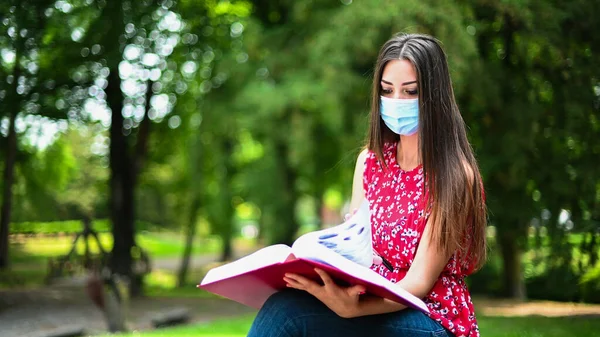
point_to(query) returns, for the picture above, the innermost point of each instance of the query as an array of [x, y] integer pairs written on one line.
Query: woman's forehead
[[399, 72]]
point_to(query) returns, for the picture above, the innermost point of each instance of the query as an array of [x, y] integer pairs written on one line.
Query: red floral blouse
[[396, 200]]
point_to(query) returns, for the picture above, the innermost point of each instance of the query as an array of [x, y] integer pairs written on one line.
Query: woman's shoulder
[[372, 163], [365, 156], [387, 150]]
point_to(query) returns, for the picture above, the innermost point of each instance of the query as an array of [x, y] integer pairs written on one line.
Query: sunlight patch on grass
[[163, 283], [157, 244], [161, 278], [234, 327]]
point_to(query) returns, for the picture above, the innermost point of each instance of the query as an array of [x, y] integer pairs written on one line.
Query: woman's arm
[[358, 192], [420, 278]]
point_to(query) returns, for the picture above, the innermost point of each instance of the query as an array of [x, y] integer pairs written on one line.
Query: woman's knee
[[279, 310], [288, 301], [409, 322]]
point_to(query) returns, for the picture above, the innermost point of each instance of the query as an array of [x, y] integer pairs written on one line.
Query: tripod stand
[[56, 269]]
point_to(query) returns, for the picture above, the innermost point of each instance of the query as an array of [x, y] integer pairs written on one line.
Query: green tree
[[532, 92], [86, 185], [42, 177], [311, 65], [34, 84], [136, 49]]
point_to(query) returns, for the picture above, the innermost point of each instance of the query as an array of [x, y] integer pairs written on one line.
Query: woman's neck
[[408, 155]]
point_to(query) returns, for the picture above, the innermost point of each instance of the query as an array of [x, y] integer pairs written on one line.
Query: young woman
[[425, 193]]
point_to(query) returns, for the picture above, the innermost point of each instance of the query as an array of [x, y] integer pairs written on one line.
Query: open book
[[345, 252]]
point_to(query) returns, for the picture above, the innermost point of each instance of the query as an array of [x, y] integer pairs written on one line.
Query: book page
[[348, 247], [261, 258], [351, 239]]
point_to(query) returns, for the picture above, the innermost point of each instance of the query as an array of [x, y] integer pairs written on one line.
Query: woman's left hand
[[343, 301]]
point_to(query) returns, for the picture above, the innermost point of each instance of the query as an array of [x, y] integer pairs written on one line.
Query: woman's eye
[[386, 91], [411, 92]]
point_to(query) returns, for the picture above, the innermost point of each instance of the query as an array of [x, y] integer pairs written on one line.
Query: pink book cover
[[252, 288]]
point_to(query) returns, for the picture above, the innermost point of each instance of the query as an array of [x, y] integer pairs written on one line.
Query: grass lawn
[[158, 244], [538, 326], [163, 283], [532, 326], [29, 258], [233, 327]]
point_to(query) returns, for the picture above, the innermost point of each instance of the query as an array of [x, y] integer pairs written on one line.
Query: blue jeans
[[294, 313]]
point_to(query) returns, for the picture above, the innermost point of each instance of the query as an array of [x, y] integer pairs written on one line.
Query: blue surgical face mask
[[400, 115]]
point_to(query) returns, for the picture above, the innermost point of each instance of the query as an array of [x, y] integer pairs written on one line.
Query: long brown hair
[[456, 198]]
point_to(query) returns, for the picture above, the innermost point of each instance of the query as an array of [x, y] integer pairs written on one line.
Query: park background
[[195, 131]]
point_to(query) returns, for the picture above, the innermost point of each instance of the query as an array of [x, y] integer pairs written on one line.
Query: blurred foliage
[[256, 111], [532, 100], [544, 279]]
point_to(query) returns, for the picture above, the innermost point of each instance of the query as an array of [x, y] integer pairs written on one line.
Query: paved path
[[36, 313], [63, 305], [512, 308]]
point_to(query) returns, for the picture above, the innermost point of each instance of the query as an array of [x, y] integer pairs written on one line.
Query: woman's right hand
[[349, 215], [377, 260]]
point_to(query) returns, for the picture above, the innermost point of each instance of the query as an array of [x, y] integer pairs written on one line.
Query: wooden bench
[[172, 317], [71, 331]]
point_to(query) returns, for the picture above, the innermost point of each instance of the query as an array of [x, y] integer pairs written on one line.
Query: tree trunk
[[286, 213], [121, 193], [123, 165], [195, 162], [8, 176], [289, 226], [141, 149], [227, 248], [514, 281], [226, 229], [9, 164], [319, 223], [134, 168], [190, 233], [263, 224]]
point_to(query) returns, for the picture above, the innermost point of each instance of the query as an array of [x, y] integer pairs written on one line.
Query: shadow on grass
[[22, 278], [163, 283], [528, 326], [25, 270]]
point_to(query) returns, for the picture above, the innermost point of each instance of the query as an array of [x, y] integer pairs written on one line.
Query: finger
[[291, 283], [356, 290], [327, 281], [350, 214], [302, 281], [377, 260], [298, 278]]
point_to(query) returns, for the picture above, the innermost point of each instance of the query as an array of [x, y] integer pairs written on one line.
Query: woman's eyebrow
[[405, 83]]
